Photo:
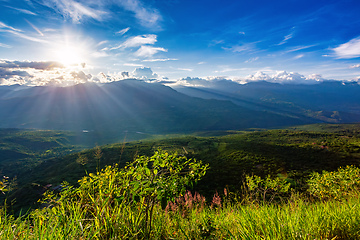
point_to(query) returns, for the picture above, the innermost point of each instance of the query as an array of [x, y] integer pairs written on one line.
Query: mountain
[[330, 101], [110, 111]]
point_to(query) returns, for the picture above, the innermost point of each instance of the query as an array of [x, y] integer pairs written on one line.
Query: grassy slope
[[293, 153]]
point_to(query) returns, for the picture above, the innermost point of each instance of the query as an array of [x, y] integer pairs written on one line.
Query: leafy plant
[[133, 191], [266, 189], [337, 184]]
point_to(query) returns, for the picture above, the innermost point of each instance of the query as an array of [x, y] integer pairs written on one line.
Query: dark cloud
[[43, 65], [6, 74]]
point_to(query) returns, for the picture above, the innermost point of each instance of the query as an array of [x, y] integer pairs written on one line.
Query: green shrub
[[267, 189], [131, 194], [339, 184]]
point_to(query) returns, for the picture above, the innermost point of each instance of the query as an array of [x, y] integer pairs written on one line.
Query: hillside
[[292, 153], [131, 107], [330, 101]]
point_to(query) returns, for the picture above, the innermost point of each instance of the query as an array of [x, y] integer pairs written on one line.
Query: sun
[[70, 54]]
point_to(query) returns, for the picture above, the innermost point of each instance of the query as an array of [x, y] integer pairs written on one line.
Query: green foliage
[[267, 189], [133, 191], [338, 184], [4, 185]]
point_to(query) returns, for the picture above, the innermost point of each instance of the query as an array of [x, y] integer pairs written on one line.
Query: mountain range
[[136, 108]]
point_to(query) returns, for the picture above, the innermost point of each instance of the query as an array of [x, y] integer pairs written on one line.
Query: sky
[[69, 41]]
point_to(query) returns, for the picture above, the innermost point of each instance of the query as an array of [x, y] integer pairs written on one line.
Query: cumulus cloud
[[148, 51], [348, 50], [35, 73], [6, 74], [81, 76], [284, 77], [144, 73]]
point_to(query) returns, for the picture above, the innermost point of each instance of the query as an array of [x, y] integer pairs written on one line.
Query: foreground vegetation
[[147, 200], [297, 183]]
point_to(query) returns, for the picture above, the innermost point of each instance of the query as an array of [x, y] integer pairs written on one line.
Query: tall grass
[[296, 220], [89, 212]]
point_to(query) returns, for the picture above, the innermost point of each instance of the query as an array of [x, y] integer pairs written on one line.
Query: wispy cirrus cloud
[[74, 10], [123, 31], [299, 48], [149, 51], [5, 45], [348, 50], [286, 38], [24, 36], [138, 41], [22, 10], [160, 60], [34, 27], [4, 26], [147, 16], [246, 47]]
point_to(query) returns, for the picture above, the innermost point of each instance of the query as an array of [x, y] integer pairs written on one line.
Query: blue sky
[[71, 40]]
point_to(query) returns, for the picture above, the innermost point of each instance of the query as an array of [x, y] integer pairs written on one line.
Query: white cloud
[[147, 17], [286, 38], [101, 43], [247, 47], [5, 45], [3, 25], [73, 10], [348, 50], [138, 41], [299, 56], [133, 65], [34, 27], [186, 69], [144, 73], [252, 60], [284, 77], [298, 48], [24, 36], [355, 66], [148, 51], [160, 60], [123, 31], [22, 10], [81, 76]]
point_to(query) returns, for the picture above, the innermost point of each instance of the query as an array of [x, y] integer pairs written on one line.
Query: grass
[[297, 219], [94, 210]]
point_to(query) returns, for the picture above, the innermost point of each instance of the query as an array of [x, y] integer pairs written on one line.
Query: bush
[[131, 194], [339, 184]]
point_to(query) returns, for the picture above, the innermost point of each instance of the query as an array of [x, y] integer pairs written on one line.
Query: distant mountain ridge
[[110, 110], [330, 101]]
